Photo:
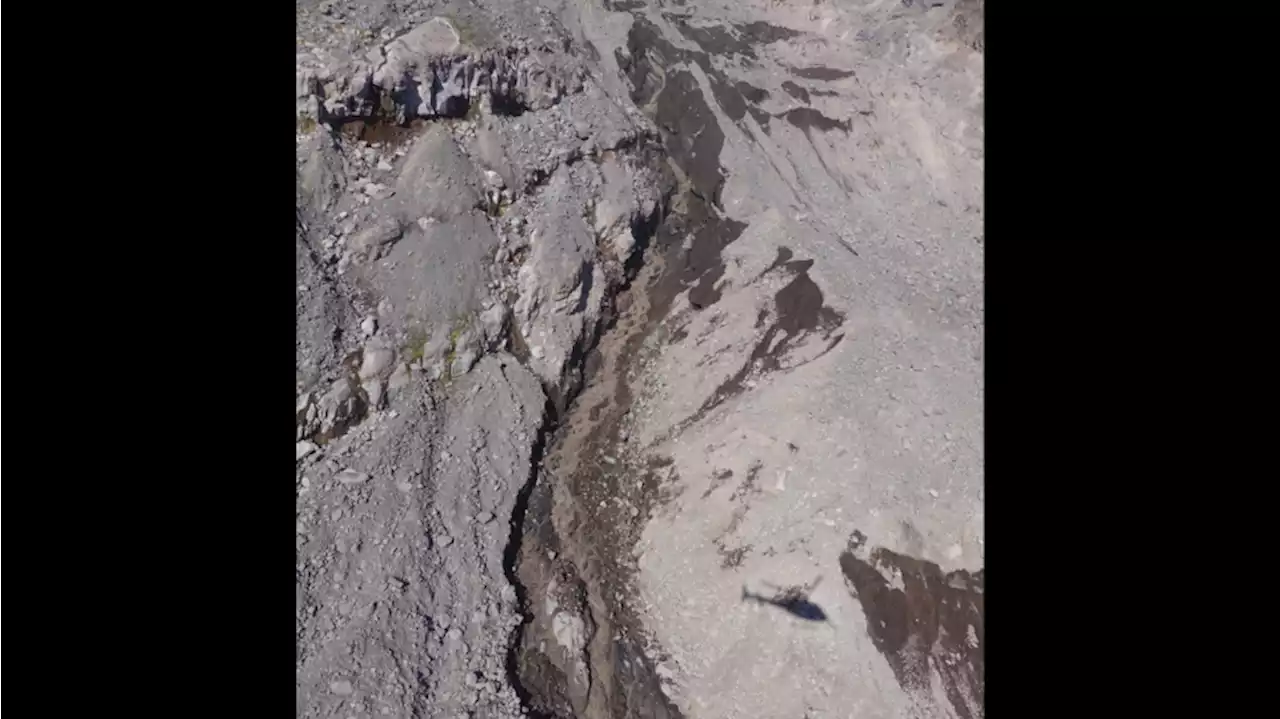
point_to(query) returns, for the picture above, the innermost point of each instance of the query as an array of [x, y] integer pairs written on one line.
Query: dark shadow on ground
[[924, 621], [793, 600]]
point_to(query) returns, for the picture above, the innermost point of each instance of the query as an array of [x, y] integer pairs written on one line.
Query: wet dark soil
[[930, 624]]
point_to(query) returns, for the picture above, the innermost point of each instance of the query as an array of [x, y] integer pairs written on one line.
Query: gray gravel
[[559, 263]]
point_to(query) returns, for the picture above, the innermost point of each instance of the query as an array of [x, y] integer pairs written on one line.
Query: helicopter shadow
[[793, 600]]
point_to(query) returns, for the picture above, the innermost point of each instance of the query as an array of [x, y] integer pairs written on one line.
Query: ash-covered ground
[[639, 359]]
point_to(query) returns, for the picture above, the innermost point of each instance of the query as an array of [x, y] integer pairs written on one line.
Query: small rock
[[342, 688], [376, 361], [494, 323], [383, 231], [933, 493], [444, 541], [399, 378], [302, 449], [436, 370], [350, 476], [369, 326], [373, 390], [404, 487], [484, 517], [384, 166], [463, 363]]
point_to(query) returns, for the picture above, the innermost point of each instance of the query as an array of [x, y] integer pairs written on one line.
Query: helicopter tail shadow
[[793, 600]]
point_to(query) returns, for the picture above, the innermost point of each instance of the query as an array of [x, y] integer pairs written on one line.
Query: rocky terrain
[[639, 358]]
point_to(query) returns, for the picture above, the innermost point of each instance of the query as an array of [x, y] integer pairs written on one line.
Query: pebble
[[369, 325], [404, 487], [350, 476], [444, 541], [484, 517], [343, 688], [384, 166], [302, 449], [933, 493]]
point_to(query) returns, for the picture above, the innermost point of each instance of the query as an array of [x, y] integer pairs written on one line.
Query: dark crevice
[[558, 400], [506, 105], [511, 556]]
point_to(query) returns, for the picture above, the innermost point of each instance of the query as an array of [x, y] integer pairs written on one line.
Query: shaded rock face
[[428, 73], [924, 621]]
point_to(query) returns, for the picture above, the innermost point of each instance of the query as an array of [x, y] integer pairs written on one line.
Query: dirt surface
[[639, 359]]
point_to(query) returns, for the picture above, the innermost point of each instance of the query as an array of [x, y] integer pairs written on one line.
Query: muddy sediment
[[583, 651]]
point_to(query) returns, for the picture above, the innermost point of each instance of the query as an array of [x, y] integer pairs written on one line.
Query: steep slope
[[615, 321]]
